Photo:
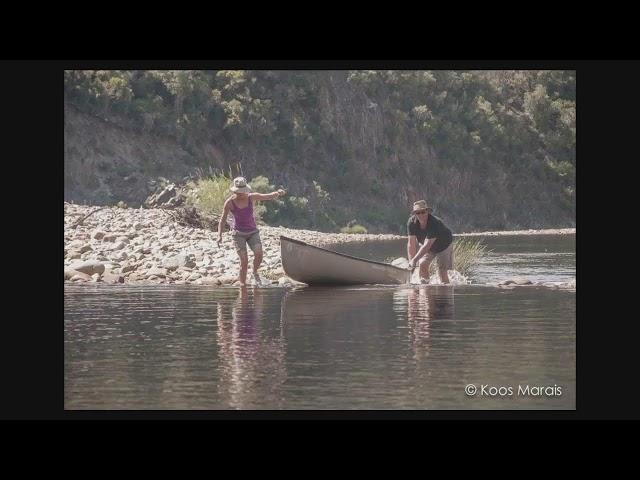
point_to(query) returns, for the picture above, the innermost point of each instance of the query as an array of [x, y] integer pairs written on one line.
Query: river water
[[473, 346]]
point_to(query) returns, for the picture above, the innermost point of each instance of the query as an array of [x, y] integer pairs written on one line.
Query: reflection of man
[[431, 303], [434, 240], [424, 306], [418, 314]]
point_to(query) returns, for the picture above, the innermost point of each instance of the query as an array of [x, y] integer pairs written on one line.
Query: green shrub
[[467, 252], [209, 194], [353, 227]]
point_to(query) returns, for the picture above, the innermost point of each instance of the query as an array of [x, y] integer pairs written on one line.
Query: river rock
[[118, 245], [83, 277], [89, 267], [69, 273], [517, 281], [75, 245], [112, 278], [227, 279], [120, 256], [156, 272], [130, 267], [181, 260], [171, 263]]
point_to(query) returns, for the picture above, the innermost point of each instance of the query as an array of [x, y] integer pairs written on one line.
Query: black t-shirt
[[435, 229]]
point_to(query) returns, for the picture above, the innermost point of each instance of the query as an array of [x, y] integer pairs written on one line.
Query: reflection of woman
[[252, 364], [246, 314]]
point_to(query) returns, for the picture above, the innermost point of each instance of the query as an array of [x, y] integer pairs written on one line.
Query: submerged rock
[[517, 281]]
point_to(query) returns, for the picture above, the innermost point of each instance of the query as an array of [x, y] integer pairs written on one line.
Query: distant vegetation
[[353, 227], [488, 149]]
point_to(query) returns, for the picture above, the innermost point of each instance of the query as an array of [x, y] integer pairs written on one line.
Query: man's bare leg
[[444, 275]]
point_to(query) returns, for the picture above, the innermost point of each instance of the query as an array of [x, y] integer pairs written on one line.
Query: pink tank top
[[243, 220]]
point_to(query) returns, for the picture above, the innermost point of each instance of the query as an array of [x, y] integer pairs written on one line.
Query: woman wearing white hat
[[244, 229], [422, 225]]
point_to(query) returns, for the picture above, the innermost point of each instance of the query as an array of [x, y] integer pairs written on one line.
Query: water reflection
[[251, 353], [424, 307], [315, 347]]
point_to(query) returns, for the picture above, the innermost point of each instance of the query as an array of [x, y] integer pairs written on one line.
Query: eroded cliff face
[[105, 163]]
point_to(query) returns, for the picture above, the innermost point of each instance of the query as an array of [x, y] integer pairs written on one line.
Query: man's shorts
[[241, 239], [445, 258]]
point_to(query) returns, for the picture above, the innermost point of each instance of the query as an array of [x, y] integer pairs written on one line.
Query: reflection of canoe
[[318, 266], [337, 303]]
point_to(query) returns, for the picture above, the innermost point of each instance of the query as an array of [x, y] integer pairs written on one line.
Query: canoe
[[318, 266]]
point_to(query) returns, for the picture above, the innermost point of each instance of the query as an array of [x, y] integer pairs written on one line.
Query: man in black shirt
[[422, 225]]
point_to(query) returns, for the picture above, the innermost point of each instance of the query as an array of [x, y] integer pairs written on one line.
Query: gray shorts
[[241, 239], [445, 258]]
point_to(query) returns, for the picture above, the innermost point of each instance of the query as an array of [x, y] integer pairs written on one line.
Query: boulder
[[89, 267], [69, 273], [185, 260]]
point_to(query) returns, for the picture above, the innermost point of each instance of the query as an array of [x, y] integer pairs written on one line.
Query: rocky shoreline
[[146, 246]]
